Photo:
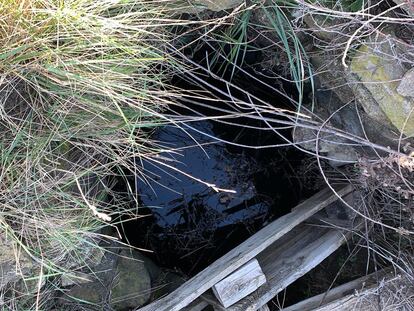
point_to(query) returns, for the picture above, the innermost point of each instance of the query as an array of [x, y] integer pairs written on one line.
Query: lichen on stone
[[381, 74]]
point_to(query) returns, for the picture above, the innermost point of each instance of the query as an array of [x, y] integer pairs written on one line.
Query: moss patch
[[381, 77]]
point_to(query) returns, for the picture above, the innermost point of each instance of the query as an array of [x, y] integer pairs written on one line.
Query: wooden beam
[[340, 292], [290, 258], [241, 254], [197, 305], [239, 284]]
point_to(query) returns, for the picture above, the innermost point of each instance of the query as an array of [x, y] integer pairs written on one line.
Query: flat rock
[[122, 280], [132, 283], [406, 86], [381, 76], [333, 147]]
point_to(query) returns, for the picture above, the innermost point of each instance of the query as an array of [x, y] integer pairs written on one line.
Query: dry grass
[[82, 83]]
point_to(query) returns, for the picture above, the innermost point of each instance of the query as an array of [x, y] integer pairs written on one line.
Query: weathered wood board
[[241, 254], [290, 258], [341, 293], [239, 284], [196, 305]]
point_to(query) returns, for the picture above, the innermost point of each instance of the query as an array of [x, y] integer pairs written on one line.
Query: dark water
[[177, 199], [188, 224]]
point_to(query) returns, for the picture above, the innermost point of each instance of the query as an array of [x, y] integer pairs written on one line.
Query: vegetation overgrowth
[[83, 83]]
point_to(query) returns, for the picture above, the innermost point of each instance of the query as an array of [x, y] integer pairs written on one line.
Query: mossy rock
[[122, 279], [10, 252], [381, 74], [132, 284], [92, 293]]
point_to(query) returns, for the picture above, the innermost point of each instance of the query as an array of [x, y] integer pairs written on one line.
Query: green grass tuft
[[82, 83]]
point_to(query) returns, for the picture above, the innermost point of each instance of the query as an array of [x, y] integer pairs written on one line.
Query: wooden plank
[[197, 305], [240, 283], [241, 254], [263, 308], [212, 301], [290, 258], [339, 292], [206, 299], [391, 293]]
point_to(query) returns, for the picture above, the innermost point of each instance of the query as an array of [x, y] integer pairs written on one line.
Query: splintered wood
[[239, 284], [260, 245]]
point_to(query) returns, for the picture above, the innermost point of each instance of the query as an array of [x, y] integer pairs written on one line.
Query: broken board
[[248, 250], [240, 283]]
